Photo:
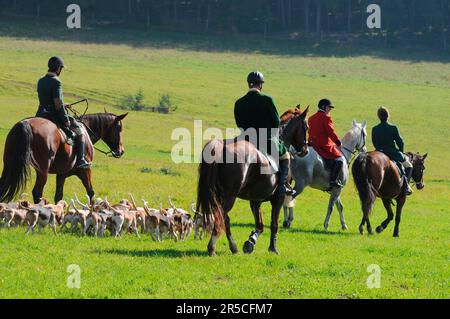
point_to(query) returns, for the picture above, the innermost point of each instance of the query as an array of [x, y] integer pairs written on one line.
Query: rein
[[357, 149]]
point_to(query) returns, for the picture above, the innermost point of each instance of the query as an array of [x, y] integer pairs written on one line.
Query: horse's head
[[295, 133], [360, 136], [418, 162], [113, 135]]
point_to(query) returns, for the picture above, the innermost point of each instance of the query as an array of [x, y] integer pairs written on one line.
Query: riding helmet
[[255, 77], [55, 62], [324, 103]]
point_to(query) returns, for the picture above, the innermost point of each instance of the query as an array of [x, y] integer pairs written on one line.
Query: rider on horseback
[[52, 107], [324, 139], [385, 137], [256, 110]]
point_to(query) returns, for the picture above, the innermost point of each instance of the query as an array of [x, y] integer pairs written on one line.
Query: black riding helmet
[[55, 63], [255, 77], [324, 103]]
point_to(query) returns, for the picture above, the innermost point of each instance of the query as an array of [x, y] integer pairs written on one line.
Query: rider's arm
[[273, 114], [398, 140], [329, 127], [59, 104]]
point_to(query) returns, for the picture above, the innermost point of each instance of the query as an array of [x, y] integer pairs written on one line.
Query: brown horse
[[39, 143], [222, 182], [375, 175]]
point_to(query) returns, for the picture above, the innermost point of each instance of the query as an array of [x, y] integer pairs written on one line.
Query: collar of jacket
[[254, 90], [53, 75]]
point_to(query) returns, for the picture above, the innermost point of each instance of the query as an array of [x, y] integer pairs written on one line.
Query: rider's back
[[48, 88]]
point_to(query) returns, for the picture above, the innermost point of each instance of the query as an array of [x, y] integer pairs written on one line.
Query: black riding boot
[[283, 186], [406, 188], [81, 161], [336, 174]]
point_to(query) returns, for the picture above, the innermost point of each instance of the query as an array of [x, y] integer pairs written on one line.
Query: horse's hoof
[[361, 230], [211, 253], [379, 229], [344, 227], [286, 225], [249, 247], [396, 235], [234, 249], [273, 250]]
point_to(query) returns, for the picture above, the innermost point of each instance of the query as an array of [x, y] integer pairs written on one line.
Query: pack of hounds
[[102, 218]]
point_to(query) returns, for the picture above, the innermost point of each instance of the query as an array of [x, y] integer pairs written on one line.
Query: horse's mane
[[289, 114], [98, 122]]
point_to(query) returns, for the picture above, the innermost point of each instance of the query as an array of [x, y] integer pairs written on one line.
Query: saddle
[[68, 139], [273, 164], [400, 168]]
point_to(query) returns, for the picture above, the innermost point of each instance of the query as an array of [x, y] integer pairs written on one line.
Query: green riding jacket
[[256, 110], [387, 139], [49, 88]]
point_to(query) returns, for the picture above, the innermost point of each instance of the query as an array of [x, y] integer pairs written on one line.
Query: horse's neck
[[349, 144], [96, 126]]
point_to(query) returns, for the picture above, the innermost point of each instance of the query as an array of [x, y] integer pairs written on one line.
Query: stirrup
[[83, 164]]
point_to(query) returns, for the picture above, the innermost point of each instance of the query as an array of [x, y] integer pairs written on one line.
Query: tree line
[[410, 21]]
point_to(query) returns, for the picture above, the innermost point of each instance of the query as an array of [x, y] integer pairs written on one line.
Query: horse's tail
[[208, 193], [16, 160], [367, 193]]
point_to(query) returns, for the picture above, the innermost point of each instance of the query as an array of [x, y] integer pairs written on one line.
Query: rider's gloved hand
[[67, 124]]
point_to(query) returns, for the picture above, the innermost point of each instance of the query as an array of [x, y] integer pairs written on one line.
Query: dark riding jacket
[[258, 111], [49, 88], [387, 139]]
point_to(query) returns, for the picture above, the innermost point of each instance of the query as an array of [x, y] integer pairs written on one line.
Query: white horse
[[310, 171]]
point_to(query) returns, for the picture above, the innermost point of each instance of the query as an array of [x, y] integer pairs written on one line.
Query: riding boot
[[81, 161], [284, 188], [406, 178], [336, 174]]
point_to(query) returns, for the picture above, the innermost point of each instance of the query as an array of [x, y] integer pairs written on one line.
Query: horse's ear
[[105, 110], [297, 107], [305, 113], [364, 124], [425, 156], [121, 117], [354, 123]]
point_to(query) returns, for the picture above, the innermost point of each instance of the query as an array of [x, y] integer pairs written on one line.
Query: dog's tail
[[209, 189]]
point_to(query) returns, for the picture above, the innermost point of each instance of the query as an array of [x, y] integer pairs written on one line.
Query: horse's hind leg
[[340, 209], [361, 226], [390, 217], [60, 180], [400, 202], [41, 180], [249, 245], [333, 199]]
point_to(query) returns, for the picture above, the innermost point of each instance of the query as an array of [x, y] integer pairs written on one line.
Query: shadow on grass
[[158, 253], [319, 232]]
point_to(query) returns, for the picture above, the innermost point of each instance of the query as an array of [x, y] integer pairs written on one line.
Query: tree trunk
[[283, 15], [306, 17], [319, 17], [349, 16]]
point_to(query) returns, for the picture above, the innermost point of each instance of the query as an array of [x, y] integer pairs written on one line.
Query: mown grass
[[204, 85]]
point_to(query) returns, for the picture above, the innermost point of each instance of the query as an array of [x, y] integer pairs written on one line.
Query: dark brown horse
[[375, 175], [221, 182], [39, 143]]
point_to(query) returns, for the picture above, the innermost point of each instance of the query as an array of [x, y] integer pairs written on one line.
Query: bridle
[[305, 143], [359, 149]]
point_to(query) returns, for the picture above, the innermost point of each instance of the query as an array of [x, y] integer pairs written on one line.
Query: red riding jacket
[[323, 137]]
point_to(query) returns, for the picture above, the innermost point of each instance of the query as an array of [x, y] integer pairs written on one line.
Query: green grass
[[204, 85]]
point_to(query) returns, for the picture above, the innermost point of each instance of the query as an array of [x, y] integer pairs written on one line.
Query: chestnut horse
[[222, 182], [39, 143], [375, 175]]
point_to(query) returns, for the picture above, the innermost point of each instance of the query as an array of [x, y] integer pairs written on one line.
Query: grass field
[[204, 83]]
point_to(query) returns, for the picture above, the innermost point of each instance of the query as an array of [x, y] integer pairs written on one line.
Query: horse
[[38, 142], [311, 171], [222, 182], [375, 175]]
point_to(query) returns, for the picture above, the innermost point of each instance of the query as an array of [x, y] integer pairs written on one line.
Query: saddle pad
[[68, 141]]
